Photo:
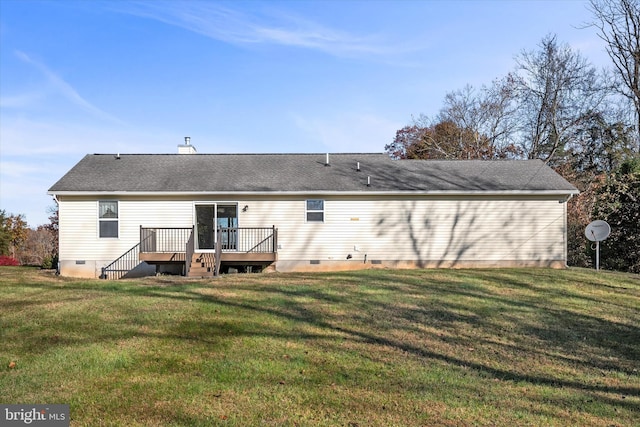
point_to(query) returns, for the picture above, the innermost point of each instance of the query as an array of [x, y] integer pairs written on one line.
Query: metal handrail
[[273, 238], [124, 264], [189, 251]]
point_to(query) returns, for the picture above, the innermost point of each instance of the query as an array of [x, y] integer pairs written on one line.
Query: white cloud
[[220, 23], [66, 90], [24, 100], [18, 169]]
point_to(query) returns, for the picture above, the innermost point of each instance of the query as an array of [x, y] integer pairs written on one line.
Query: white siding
[[416, 229], [425, 231], [79, 225]]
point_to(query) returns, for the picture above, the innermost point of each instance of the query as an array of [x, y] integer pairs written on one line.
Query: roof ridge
[[243, 154]]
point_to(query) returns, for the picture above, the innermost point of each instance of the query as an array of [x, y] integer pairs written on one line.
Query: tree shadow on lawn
[[558, 333], [371, 308], [533, 314]]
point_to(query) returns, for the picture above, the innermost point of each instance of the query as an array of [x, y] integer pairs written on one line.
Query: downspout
[[566, 231]]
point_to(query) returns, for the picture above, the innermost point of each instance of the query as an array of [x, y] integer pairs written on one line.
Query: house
[[199, 214]]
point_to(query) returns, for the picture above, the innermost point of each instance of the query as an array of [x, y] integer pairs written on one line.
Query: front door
[[211, 216], [227, 220]]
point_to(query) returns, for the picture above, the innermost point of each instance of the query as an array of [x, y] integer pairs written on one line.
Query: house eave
[[323, 193]]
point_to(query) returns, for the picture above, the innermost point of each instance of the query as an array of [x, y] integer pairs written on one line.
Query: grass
[[367, 348]]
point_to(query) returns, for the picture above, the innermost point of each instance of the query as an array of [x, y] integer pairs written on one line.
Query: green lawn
[[512, 347]]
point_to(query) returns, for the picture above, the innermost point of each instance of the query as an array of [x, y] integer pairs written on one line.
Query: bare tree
[[443, 139], [488, 115], [618, 24], [36, 247], [556, 89]]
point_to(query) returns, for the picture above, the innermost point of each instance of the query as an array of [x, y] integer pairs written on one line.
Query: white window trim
[[99, 220], [307, 211]]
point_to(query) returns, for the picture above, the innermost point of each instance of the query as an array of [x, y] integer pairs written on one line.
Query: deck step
[[202, 265]]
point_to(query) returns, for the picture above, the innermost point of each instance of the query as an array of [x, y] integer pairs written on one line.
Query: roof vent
[[357, 166], [186, 148], [326, 163]]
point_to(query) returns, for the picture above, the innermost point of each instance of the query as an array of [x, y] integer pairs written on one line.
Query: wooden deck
[[239, 247], [226, 257], [204, 264]]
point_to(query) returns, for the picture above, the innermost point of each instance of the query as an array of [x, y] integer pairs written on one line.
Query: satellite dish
[[597, 231]]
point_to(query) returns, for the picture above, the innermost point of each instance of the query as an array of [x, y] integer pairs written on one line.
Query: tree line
[[21, 245], [554, 106], [557, 107]]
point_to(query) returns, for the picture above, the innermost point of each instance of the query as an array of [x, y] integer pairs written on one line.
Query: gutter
[[566, 230], [568, 193]]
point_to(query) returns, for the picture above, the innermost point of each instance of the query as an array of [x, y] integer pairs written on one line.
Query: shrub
[[47, 262], [7, 260], [618, 203], [50, 262]]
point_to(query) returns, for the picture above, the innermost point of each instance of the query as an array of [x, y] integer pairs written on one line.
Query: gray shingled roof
[[212, 173]]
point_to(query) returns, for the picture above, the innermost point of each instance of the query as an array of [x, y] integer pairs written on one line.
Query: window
[[108, 219], [315, 210]]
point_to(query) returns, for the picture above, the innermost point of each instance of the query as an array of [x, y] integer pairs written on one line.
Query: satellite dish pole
[[597, 254], [597, 231]]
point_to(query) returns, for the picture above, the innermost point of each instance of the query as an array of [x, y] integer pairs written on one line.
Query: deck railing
[[127, 261], [248, 239], [230, 239], [218, 258], [164, 240], [121, 266], [182, 240]]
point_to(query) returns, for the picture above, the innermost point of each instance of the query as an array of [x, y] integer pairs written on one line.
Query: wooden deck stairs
[[202, 265], [175, 246]]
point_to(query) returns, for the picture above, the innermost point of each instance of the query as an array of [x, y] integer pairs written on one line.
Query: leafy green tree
[[600, 146], [618, 203]]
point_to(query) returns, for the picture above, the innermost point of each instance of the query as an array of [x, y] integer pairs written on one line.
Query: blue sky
[[81, 77]]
